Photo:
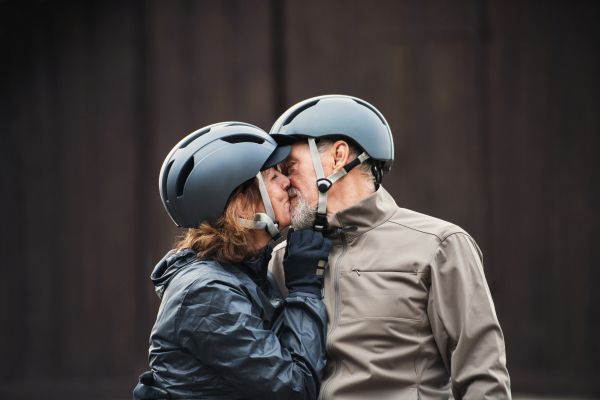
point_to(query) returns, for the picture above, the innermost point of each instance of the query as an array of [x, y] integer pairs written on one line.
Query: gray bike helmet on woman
[[204, 168], [338, 116]]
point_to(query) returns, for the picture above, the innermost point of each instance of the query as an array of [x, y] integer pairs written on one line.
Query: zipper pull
[[344, 230], [357, 272]]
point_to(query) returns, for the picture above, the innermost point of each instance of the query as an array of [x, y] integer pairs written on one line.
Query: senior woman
[[223, 329]]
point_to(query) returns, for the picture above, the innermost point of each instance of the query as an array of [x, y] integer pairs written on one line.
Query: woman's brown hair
[[226, 240]]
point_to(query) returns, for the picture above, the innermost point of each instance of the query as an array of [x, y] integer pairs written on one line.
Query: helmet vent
[[372, 109], [241, 138], [183, 175], [298, 111], [164, 181], [194, 137]]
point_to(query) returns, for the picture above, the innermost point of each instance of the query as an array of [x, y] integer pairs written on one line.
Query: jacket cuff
[[305, 294]]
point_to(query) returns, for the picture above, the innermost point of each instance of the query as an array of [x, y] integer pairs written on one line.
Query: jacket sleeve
[[221, 327], [464, 322]]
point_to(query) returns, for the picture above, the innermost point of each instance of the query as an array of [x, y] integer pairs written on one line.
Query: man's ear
[[341, 153]]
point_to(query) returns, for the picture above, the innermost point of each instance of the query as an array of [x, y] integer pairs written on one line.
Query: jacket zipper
[[336, 315]]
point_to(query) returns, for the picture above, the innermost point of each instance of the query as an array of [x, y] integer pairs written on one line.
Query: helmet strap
[[377, 171], [265, 221], [324, 184]]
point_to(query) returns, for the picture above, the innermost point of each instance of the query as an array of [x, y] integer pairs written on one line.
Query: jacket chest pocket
[[382, 294]]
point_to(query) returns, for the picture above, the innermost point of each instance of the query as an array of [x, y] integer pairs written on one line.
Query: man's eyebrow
[[291, 157]]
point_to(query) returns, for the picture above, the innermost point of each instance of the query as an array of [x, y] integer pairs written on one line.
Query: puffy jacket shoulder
[[201, 286]]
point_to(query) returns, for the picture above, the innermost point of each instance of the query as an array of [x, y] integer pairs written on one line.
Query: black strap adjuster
[[320, 222], [324, 184]]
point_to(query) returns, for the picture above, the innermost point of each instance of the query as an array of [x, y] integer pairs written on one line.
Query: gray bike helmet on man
[[202, 170], [338, 116]]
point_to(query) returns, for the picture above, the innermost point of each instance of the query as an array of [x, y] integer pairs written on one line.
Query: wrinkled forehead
[[300, 152]]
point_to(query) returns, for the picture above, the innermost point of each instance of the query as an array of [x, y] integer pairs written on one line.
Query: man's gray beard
[[302, 214]]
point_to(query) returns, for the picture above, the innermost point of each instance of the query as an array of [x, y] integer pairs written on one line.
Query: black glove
[[304, 261], [145, 389]]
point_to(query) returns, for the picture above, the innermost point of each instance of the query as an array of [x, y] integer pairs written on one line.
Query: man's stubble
[[302, 213]]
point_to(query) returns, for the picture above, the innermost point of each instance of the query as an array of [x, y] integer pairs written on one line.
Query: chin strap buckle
[[320, 222], [278, 235]]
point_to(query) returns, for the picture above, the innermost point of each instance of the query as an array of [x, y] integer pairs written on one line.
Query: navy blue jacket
[[224, 331]]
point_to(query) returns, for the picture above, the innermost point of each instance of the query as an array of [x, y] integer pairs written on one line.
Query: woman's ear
[[341, 153]]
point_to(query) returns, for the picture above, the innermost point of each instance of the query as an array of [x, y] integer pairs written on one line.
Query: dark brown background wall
[[494, 106]]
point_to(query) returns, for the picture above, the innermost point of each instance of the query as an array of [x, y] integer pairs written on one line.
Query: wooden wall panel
[[7, 177], [545, 128], [73, 121], [75, 157], [70, 136], [13, 285], [415, 62], [96, 94], [209, 63], [206, 62], [112, 226], [493, 106], [39, 149]]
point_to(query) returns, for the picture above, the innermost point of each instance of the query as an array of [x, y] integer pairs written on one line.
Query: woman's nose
[[285, 182]]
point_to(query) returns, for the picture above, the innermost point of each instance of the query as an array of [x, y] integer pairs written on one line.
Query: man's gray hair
[[364, 168]]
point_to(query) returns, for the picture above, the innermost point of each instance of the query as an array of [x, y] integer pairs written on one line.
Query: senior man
[[410, 312]]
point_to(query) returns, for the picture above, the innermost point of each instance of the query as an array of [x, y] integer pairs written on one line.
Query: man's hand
[[306, 254]]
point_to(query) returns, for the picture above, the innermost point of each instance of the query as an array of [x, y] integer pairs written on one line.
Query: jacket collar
[[168, 266], [259, 265], [365, 215], [256, 269]]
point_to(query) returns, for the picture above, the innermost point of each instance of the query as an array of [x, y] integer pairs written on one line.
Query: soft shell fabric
[[410, 312], [224, 331]]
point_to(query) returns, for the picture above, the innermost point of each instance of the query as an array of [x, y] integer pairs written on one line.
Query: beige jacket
[[410, 312]]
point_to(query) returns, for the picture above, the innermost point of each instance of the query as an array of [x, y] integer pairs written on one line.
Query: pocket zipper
[[357, 272]]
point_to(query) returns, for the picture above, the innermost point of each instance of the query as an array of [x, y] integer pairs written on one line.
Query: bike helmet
[[338, 116], [203, 169]]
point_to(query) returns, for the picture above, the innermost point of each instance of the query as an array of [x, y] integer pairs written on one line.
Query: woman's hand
[[305, 257]]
